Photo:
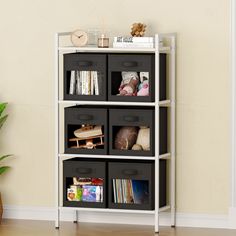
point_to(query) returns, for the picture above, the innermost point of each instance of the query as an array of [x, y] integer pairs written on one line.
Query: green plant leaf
[[3, 169], [2, 107], [2, 120], [5, 156]]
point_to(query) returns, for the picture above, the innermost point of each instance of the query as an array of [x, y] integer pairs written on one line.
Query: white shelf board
[[165, 156], [113, 50], [108, 210], [69, 156], [68, 102], [164, 103], [165, 208]]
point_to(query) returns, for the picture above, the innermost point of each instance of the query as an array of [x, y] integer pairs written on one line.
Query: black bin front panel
[[85, 76], [118, 63], [143, 66], [86, 130], [84, 183], [131, 132], [131, 185]]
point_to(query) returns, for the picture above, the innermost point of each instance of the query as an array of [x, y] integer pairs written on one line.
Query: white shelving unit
[[170, 40]]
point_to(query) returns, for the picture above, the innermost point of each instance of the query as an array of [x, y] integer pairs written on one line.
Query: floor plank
[[46, 228]]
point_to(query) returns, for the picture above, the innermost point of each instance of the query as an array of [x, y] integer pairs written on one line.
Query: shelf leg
[[76, 217], [57, 221], [172, 128], [157, 80]]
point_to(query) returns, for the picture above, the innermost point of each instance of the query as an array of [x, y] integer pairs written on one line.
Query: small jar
[[103, 42]]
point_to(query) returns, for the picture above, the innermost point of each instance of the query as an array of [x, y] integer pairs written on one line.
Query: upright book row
[[84, 83]]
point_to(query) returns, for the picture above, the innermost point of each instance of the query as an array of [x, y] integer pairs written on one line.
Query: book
[[128, 39], [72, 82], [89, 193], [133, 45], [114, 190], [92, 83], [96, 85], [78, 83], [140, 191]]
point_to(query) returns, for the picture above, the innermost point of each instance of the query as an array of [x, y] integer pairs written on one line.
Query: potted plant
[[3, 168]]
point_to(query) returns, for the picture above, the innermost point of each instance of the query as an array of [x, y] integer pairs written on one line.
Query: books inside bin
[[130, 191], [85, 190], [84, 82]]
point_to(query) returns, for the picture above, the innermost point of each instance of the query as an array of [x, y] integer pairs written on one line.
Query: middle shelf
[[122, 131]]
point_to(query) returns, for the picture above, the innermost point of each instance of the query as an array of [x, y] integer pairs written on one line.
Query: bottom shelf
[[108, 210], [162, 209]]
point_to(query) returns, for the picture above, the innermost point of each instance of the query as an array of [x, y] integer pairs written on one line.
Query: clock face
[[79, 38]]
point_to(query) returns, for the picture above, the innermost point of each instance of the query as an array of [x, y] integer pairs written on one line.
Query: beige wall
[[203, 91]]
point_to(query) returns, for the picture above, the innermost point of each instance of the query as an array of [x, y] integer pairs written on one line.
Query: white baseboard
[[232, 217], [182, 219]]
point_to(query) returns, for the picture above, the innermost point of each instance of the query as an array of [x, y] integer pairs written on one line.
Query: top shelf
[[113, 50]]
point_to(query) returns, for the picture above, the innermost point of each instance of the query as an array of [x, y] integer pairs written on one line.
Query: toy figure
[[128, 86], [143, 88]]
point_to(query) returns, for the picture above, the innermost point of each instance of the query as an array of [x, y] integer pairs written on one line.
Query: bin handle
[[130, 172], [130, 63], [85, 63], [131, 118], [85, 117], [83, 170]]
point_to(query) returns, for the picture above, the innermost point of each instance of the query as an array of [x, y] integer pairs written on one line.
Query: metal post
[[57, 220], [157, 83], [172, 74]]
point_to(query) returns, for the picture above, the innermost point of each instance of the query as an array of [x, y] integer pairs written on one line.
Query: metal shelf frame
[[170, 103]]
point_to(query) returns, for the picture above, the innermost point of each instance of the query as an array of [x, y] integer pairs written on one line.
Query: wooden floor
[[46, 228]]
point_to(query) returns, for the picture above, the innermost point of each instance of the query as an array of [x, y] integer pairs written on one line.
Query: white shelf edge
[[165, 156], [111, 49], [164, 103], [165, 208], [68, 102], [108, 210], [68, 156]]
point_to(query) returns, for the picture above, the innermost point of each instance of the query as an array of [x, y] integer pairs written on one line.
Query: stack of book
[[86, 190], [130, 191], [133, 42], [84, 83]]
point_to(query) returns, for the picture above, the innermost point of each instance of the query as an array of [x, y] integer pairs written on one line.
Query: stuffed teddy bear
[[128, 86], [143, 88], [143, 139]]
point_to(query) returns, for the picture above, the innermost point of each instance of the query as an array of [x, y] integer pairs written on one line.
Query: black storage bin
[[118, 63], [84, 183], [131, 128], [131, 185], [86, 130], [125, 133], [85, 76]]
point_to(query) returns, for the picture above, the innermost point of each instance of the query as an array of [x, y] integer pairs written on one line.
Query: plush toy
[[138, 29], [128, 86], [143, 88], [137, 147], [143, 139], [126, 137]]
